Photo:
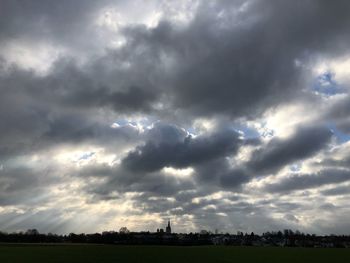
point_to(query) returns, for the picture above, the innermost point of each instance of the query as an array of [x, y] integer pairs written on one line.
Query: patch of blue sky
[[341, 137], [248, 132], [143, 122], [122, 122], [325, 84], [147, 121], [295, 168], [86, 156], [191, 130]]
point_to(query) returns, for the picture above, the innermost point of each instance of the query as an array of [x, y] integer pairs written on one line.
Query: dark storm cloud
[[279, 152], [182, 153], [95, 87], [223, 67], [169, 146], [305, 181], [216, 65], [233, 178], [117, 181], [38, 112], [218, 174]]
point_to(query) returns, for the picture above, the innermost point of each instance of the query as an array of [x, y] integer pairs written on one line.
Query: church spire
[[168, 228]]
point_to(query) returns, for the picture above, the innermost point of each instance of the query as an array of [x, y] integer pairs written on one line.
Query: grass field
[[105, 253]]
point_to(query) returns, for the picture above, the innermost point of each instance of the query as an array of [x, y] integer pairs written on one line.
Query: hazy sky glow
[[229, 115]]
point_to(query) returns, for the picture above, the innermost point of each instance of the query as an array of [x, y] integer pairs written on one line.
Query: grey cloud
[[328, 207], [39, 112], [210, 213], [99, 87], [291, 217], [234, 178], [284, 207], [337, 113], [340, 190], [249, 220], [344, 126], [334, 163], [117, 181], [305, 181], [218, 174], [50, 220], [189, 151], [219, 65], [216, 65], [340, 223], [75, 129], [63, 23], [277, 153], [24, 185], [169, 145], [234, 59], [339, 110], [105, 84], [165, 133]]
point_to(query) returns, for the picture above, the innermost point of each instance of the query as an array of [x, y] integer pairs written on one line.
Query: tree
[[32, 232], [203, 232], [124, 230]]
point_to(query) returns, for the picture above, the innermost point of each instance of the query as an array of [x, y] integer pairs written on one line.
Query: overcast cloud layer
[[229, 115]]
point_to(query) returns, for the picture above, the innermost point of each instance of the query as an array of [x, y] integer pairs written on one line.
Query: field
[[106, 254]]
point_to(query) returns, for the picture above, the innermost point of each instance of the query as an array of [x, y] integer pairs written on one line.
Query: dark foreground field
[[104, 254]]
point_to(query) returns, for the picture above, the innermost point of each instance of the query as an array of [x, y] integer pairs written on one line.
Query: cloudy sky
[[229, 115]]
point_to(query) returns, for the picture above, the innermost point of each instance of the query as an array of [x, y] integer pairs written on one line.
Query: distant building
[[167, 229]]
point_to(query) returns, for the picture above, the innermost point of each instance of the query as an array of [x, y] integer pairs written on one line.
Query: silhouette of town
[[285, 238]]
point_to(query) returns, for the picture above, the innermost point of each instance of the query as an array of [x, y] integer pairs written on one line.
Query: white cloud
[[37, 57]]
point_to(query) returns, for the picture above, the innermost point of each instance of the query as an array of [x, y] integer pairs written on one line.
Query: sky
[[228, 115]]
